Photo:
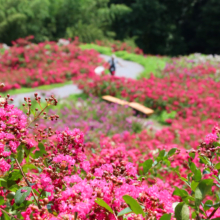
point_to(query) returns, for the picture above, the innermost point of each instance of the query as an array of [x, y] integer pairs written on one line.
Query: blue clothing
[[112, 62]]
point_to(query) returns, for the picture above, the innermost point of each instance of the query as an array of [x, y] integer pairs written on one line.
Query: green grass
[[151, 64], [27, 90], [100, 49]]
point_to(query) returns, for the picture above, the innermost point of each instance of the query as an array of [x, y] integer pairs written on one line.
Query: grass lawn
[[27, 90]]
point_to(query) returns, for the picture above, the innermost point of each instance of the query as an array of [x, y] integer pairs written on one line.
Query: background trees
[[158, 27]]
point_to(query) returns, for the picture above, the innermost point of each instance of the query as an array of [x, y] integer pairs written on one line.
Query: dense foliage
[[158, 27], [171, 27], [54, 19]]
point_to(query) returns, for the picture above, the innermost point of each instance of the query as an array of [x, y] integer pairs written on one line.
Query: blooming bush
[[49, 173], [31, 65], [53, 178], [193, 66], [195, 100], [56, 176], [95, 118]]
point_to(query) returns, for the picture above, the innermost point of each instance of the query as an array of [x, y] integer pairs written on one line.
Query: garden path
[[130, 70]]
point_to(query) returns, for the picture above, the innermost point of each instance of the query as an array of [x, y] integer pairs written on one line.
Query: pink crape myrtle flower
[[210, 138], [4, 166]]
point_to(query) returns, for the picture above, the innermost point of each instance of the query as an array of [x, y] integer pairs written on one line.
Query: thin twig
[[37, 115], [12, 216], [213, 212], [115, 215], [40, 196], [26, 180]]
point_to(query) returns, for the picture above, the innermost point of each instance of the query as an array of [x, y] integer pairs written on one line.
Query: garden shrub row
[[52, 172], [32, 65]]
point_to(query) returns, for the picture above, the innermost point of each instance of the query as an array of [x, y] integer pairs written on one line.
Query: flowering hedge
[[31, 65], [49, 174], [195, 99], [95, 118]]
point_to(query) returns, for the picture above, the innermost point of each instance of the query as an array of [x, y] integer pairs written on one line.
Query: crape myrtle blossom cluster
[[196, 101], [63, 179], [57, 176], [30, 65]]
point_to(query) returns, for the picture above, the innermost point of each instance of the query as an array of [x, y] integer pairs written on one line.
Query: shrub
[[32, 65], [94, 118]]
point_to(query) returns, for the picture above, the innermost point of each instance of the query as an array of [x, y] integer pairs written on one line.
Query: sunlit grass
[[151, 64], [39, 88]]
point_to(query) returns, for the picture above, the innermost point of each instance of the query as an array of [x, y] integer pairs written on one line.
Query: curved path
[[130, 70]]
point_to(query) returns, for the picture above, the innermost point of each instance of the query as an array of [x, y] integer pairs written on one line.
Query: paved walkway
[[130, 70]]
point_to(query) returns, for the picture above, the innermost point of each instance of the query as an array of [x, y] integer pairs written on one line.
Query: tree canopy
[[158, 27]]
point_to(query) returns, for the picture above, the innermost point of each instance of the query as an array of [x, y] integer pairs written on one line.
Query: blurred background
[[166, 27]]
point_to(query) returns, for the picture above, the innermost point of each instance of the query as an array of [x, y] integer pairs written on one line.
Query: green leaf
[[20, 154], [216, 205], [21, 196], [13, 188], [182, 211], [42, 148], [206, 171], [180, 192], [171, 152], [185, 181], [5, 217], [189, 176], [161, 155], [15, 175], [39, 153], [28, 167], [208, 204], [134, 205], [10, 195], [124, 211], [194, 215], [217, 166], [167, 162], [103, 204], [147, 165], [2, 201], [194, 185], [205, 160], [197, 175], [202, 189], [45, 162], [165, 217], [28, 152], [193, 167], [218, 195], [192, 155]]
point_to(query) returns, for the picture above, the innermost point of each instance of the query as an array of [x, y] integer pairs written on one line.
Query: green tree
[[25, 17]]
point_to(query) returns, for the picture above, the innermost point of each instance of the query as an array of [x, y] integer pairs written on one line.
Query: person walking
[[112, 64]]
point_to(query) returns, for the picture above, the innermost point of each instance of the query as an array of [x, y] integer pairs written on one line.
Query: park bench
[[134, 105]]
